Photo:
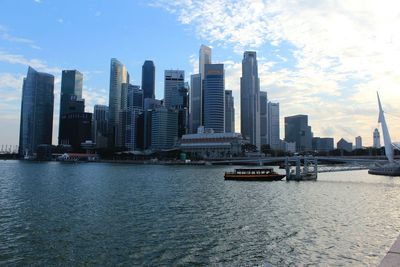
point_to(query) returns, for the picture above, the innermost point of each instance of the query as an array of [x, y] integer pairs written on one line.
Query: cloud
[[5, 35], [60, 20], [331, 56], [37, 64]]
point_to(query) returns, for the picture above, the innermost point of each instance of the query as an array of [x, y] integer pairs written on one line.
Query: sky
[[323, 58]]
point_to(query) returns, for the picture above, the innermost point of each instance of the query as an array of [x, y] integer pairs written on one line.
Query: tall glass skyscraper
[[273, 125], [118, 76], [148, 79], [214, 97], [297, 130], [100, 125], [229, 112], [36, 125], [173, 80], [195, 103], [250, 99], [263, 118], [134, 109]]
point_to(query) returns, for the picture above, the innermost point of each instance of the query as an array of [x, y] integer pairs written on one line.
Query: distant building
[[273, 125], [263, 118], [180, 103], [250, 99], [377, 139], [164, 128], [323, 144], [297, 130], [358, 142], [344, 145], [212, 145], [118, 77], [148, 79], [214, 97], [173, 80], [134, 109], [100, 125], [36, 125], [229, 112], [196, 108], [76, 128]]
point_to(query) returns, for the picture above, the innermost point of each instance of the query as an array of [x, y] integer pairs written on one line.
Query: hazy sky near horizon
[[325, 59]]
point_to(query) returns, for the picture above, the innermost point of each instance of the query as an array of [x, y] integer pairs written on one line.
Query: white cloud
[[343, 51], [5, 35], [37, 64]]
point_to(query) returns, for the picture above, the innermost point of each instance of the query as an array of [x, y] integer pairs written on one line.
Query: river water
[[113, 214]]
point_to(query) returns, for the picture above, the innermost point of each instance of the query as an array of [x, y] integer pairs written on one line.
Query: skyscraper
[[164, 128], [273, 126], [358, 142], [214, 97], [118, 76], [133, 110], [36, 125], [376, 139], [100, 125], [263, 118], [75, 129], [229, 112], [204, 58], [173, 80], [297, 130], [148, 79], [196, 109], [250, 99]]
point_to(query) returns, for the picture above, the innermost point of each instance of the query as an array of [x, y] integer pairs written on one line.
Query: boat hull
[[385, 171], [242, 177]]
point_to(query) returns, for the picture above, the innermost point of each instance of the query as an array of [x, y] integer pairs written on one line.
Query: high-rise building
[[273, 126], [70, 102], [229, 112], [214, 97], [180, 103], [133, 110], [148, 79], [263, 118], [118, 76], [250, 99], [297, 130], [204, 58], [196, 110], [173, 80], [75, 129], [100, 125], [323, 144], [164, 128], [36, 125], [376, 139], [358, 142]]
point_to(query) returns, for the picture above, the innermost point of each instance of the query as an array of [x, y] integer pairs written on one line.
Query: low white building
[[212, 145]]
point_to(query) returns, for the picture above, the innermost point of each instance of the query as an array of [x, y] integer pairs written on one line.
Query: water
[[109, 214]]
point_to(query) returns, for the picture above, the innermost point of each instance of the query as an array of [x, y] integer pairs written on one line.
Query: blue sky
[[322, 58]]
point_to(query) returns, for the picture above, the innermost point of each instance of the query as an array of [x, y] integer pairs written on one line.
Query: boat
[[263, 174], [391, 167]]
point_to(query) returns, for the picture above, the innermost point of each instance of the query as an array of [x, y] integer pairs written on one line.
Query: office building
[[180, 103], [229, 112], [358, 142], [263, 118], [250, 99], [322, 144], [214, 97], [297, 130], [173, 80], [118, 77], [100, 125], [164, 128], [134, 109], [75, 129], [196, 110], [344, 145], [36, 124], [376, 139], [148, 79], [273, 125]]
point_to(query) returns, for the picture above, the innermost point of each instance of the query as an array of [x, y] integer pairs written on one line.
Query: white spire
[[386, 136]]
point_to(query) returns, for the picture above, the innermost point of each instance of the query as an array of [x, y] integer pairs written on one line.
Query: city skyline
[[336, 90]]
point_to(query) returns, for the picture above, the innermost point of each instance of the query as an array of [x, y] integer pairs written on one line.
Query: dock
[[392, 258]]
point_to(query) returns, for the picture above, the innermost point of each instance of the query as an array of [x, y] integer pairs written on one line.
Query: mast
[[386, 136]]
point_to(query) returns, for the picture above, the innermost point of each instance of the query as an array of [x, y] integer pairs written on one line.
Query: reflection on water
[[108, 214]]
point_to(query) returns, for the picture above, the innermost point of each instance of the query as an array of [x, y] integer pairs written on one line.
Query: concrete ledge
[[392, 258]]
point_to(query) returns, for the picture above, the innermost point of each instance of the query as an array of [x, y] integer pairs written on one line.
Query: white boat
[[392, 167]]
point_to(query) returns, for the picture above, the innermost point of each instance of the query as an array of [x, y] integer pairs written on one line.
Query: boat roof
[[255, 169]]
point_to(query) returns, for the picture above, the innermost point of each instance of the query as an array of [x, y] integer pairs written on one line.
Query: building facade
[[148, 79], [344, 145], [76, 128], [297, 130], [323, 144], [263, 118], [376, 139], [229, 112], [134, 109], [250, 99], [214, 97], [358, 142], [196, 109], [100, 125], [173, 80], [164, 128], [273, 125], [118, 77], [36, 124]]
